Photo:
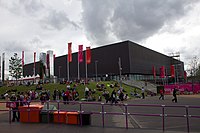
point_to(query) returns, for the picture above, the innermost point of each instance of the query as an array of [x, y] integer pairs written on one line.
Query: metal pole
[[120, 71], [175, 74], [80, 106], [187, 118], [78, 71], [86, 76], [96, 69], [58, 111], [102, 110], [68, 70], [163, 117], [126, 114], [48, 110]]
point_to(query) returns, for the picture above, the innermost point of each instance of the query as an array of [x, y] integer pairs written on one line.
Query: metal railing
[[124, 112]]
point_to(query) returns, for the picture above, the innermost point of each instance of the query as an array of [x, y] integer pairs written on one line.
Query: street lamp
[[120, 71], [96, 61], [178, 67], [59, 70]]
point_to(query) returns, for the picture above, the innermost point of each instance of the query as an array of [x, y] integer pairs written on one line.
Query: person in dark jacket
[[114, 96], [174, 95], [15, 105]]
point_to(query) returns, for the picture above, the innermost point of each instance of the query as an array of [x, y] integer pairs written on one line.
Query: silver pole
[[78, 71], [59, 71], [67, 71], [86, 76], [96, 69], [120, 71]]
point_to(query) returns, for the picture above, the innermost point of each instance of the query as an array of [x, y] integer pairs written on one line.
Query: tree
[[15, 67], [193, 66]]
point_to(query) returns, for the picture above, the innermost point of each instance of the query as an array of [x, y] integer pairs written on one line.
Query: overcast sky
[[166, 26]]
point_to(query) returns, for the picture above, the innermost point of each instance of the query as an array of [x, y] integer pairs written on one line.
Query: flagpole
[[34, 66], [78, 70], [0, 67], [3, 67], [68, 70], [86, 66]]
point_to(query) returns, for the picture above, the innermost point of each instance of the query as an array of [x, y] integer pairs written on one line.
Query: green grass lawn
[[80, 88]]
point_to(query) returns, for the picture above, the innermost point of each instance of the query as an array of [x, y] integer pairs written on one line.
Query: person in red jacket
[[161, 94]]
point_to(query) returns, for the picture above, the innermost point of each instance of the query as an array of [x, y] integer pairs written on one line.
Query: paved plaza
[[117, 123]]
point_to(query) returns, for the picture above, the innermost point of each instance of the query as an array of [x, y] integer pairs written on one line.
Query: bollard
[[102, 110], [163, 117], [126, 114], [187, 118]]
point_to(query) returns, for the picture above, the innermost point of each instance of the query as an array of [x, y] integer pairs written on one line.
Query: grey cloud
[[13, 46], [32, 6], [57, 20], [132, 19], [37, 43], [23, 7]]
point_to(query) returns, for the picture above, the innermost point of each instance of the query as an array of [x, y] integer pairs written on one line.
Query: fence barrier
[[102, 113]]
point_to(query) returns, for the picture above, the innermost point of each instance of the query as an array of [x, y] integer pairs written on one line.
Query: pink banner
[[80, 53], [22, 58], [162, 72], [188, 87]]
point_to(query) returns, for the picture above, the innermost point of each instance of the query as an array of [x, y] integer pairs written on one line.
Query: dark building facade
[[136, 62]]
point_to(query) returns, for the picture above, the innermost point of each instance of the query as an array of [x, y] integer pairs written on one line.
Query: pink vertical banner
[[154, 71], [48, 63], [172, 68], [80, 53], [162, 72], [88, 55], [22, 59], [69, 57]]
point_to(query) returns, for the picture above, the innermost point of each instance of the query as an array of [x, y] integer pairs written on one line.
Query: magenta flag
[[154, 72], [162, 72], [80, 53], [48, 62], [22, 58]]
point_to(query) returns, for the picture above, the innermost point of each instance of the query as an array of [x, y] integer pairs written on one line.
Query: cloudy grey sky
[[165, 26]]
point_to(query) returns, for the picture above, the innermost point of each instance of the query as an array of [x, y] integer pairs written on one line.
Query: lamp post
[[96, 61], [177, 68], [120, 71], [59, 70]]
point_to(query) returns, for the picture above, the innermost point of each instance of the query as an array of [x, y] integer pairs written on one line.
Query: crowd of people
[[115, 94]]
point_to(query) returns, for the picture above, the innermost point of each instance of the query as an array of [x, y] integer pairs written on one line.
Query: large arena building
[[137, 62]]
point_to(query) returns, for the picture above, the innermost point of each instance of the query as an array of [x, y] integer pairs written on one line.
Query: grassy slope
[[80, 88]]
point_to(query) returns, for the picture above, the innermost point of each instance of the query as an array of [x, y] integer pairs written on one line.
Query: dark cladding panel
[[135, 59], [108, 57], [143, 59], [29, 69], [107, 62], [60, 66]]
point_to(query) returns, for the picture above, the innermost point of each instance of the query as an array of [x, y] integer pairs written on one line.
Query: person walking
[[114, 96], [174, 95], [161, 94], [143, 93], [14, 106]]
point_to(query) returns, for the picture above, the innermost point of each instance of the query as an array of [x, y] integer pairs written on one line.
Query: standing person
[[14, 107], [174, 95], [161, 94], [143, 93], [107, 96], [114, 96], [86, 92], [67, 95]]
